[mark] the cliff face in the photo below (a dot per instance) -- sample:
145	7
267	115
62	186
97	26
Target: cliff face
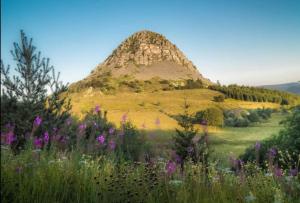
145	55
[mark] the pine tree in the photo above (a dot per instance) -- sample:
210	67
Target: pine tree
25	95
184	144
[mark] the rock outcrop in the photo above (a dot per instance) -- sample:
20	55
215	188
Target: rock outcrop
145	55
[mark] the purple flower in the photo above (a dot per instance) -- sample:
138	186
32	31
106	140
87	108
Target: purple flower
293	172
112	144
124	118
97	109
10	138
111	130
37	121
82	126
38	143
278	172
101	139
170	167
157	121
257	146
46	137
272	152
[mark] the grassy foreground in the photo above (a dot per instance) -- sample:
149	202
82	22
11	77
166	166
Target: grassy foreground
43	176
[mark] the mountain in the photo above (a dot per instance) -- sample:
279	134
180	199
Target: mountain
293	87
143	56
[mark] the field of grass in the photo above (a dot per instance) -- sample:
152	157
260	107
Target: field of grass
233	141
225	142
146	107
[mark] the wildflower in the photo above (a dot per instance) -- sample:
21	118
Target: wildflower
10	138
293	172
112	144
101	139
46	137
257	146
37	121
97	109
171	167
82	126
272	152
38	143
111	130
278	172
157	121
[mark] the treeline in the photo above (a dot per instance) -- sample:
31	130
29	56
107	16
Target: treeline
256	94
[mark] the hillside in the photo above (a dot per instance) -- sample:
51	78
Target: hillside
143	56
293	87
146	107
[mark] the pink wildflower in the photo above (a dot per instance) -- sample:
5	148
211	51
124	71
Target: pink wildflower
101	139
170	167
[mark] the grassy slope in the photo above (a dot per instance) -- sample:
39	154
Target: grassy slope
224	141
146	107
234	141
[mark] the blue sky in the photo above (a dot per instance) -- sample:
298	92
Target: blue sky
250	42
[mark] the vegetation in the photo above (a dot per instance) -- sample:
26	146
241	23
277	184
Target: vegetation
25	95
286	145
65	159
211	116
244	118
256	94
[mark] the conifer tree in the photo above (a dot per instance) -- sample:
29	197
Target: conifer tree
25	95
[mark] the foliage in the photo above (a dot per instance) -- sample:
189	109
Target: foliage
243	118
212	116
24	96
287	141
186	145
52	176
219	98
256	94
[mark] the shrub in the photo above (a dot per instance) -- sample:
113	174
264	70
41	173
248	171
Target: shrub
219	98
212	116
287	141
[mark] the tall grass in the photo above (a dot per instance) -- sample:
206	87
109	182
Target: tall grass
53	176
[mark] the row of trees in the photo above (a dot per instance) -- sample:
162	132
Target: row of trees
255	94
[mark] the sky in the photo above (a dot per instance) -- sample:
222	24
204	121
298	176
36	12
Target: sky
246	42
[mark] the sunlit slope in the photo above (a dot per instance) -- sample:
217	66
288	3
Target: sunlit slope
146	108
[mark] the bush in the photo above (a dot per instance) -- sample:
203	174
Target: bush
286	145
243	118
212	116
219	98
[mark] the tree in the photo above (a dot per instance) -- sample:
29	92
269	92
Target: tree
184	144
24	95
212	116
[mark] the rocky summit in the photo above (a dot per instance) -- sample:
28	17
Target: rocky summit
145	55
